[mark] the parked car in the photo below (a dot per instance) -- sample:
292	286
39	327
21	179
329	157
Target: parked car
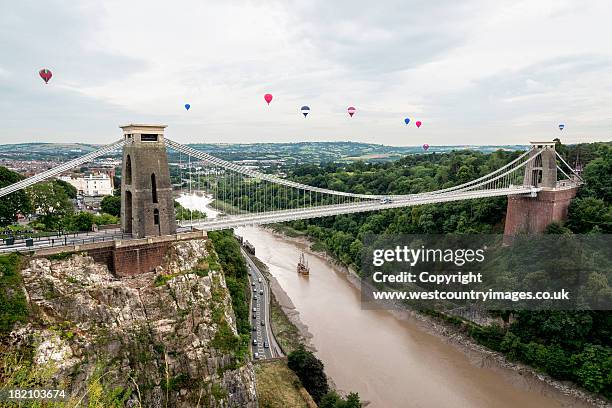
256	356
263	323
254	342
266	345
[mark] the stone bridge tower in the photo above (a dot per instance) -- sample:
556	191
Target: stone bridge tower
532	214
147	204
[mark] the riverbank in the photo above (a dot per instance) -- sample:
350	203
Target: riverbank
517	374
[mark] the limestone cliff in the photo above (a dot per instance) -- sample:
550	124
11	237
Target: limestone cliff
162	339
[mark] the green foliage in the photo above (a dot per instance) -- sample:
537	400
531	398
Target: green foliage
14	203
51	202
111	205
597	175
13	304
236	277
60	256
589	213
84	221
310	371
333	400
68	188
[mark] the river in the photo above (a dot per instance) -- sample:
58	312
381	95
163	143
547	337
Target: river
390	361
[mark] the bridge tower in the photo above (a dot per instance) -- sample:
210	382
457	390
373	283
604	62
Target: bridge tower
532	214
147	204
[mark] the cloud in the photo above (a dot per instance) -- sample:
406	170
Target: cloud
473	72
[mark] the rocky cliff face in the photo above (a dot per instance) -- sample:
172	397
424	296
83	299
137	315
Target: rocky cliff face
160	339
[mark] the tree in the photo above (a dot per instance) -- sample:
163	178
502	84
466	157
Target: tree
51	203
70	190
111	205
82	221
557	228
14	203
587	213
310	371
597	175
333	400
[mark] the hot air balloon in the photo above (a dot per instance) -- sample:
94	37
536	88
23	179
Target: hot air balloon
425	146
351	110
187	106
407	120
45	74
561	126
305	110
418	123
268	98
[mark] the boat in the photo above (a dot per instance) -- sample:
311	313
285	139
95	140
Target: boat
302	266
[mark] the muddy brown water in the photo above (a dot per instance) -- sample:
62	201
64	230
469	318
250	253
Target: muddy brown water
391	362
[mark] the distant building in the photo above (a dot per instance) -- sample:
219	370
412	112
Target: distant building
91	185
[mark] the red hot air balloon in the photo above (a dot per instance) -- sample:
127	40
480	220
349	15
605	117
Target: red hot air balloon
351	110
425	146
45	74
268	98
418	123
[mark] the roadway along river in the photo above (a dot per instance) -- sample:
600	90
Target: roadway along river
390	361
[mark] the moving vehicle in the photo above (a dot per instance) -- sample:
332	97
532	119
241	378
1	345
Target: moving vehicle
386	200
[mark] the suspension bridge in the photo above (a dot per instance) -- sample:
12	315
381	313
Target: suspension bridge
539	184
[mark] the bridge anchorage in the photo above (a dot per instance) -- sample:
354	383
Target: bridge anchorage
539	185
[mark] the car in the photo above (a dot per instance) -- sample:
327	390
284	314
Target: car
256	356
386	200
255	297
254	342
261	292
254	328
254	309
266	345
254	316
263	323
254	290
259	280
252	283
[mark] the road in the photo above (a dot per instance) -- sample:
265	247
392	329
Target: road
263	333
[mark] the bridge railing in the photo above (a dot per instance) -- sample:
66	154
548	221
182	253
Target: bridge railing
30	244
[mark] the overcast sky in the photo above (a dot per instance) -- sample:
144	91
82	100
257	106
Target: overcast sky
474	72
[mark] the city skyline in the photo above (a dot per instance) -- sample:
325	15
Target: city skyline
114	63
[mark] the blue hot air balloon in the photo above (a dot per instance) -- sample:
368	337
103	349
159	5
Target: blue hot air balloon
305	110
561	126
407	120
187	106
